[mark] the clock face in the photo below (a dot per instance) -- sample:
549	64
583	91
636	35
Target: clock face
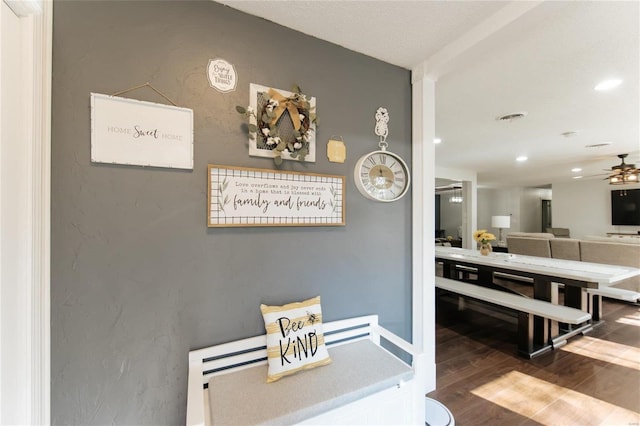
382	176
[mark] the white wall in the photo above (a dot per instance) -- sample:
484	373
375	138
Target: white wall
531	208
582	206
130	295
524	205
585	208
499	202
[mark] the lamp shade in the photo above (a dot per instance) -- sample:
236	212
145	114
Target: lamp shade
500	221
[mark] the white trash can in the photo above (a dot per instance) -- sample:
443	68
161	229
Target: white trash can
437	414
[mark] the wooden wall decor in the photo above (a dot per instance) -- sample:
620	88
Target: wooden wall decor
241	196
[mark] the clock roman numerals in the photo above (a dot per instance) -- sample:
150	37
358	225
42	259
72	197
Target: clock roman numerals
381	176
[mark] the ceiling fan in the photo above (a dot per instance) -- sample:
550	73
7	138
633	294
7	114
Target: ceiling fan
447	188
623	172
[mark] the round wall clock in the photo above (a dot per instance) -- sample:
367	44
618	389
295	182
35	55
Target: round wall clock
382	175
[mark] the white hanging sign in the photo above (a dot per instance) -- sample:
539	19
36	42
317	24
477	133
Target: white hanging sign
222	75
128	131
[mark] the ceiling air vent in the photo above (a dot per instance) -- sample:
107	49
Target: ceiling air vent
512	116
598	145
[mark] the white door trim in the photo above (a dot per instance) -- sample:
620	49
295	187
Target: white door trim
423	214
33	398
41	160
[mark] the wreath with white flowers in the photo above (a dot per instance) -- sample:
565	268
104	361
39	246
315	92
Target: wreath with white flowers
268	115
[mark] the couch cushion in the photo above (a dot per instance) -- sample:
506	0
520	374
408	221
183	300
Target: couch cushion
531	234
561	232
565	248
529	246
613	254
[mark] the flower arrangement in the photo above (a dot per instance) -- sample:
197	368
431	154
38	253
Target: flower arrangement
303	119
483	237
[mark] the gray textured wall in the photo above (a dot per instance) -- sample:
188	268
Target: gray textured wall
137	277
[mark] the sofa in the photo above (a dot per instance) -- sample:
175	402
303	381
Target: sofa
559	232
622	251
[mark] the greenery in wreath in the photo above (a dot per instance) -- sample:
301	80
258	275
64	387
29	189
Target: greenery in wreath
268	115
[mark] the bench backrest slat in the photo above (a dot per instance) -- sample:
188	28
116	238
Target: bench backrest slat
240	354
352	335
224	363
224	349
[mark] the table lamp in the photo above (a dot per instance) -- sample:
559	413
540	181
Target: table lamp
501	222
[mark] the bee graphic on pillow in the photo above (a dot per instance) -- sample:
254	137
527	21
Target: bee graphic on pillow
312	318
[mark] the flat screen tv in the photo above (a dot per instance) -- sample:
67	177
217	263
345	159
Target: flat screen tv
625	207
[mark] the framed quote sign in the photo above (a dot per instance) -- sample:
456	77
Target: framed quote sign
128	131
241	196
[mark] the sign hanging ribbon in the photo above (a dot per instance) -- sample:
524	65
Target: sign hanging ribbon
285	104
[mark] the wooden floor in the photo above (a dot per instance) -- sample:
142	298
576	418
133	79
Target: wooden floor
593	380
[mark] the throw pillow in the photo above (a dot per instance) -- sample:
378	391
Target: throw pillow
295	339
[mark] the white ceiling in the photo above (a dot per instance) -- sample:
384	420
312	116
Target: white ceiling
492	58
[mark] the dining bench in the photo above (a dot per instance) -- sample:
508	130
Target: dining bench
595	295
526	309
374	377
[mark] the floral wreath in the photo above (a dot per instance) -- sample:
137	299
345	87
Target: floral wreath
302	117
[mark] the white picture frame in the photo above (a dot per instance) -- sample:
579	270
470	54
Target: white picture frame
257	146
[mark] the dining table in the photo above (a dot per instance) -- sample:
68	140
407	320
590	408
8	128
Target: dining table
545	273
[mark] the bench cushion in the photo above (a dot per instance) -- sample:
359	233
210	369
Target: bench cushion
295	338
358	370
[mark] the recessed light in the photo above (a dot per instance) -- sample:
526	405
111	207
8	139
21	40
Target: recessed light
576	169
437	140
577	177
522	158
608	84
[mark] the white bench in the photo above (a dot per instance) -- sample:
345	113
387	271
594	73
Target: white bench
594	306
364	384
527	308
616	293
463	272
